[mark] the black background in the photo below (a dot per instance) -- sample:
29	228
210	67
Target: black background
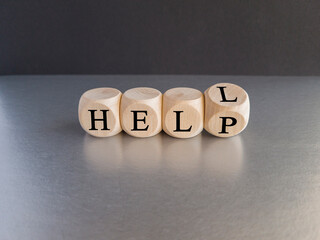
276	37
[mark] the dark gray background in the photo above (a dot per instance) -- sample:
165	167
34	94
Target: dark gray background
160	37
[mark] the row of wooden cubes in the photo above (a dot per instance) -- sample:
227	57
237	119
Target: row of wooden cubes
223	110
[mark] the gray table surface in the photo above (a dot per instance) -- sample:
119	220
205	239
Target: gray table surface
59	183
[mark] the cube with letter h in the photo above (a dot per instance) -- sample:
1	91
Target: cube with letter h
99	112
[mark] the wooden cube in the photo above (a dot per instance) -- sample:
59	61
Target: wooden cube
227	109
99	112
183	112
141	112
